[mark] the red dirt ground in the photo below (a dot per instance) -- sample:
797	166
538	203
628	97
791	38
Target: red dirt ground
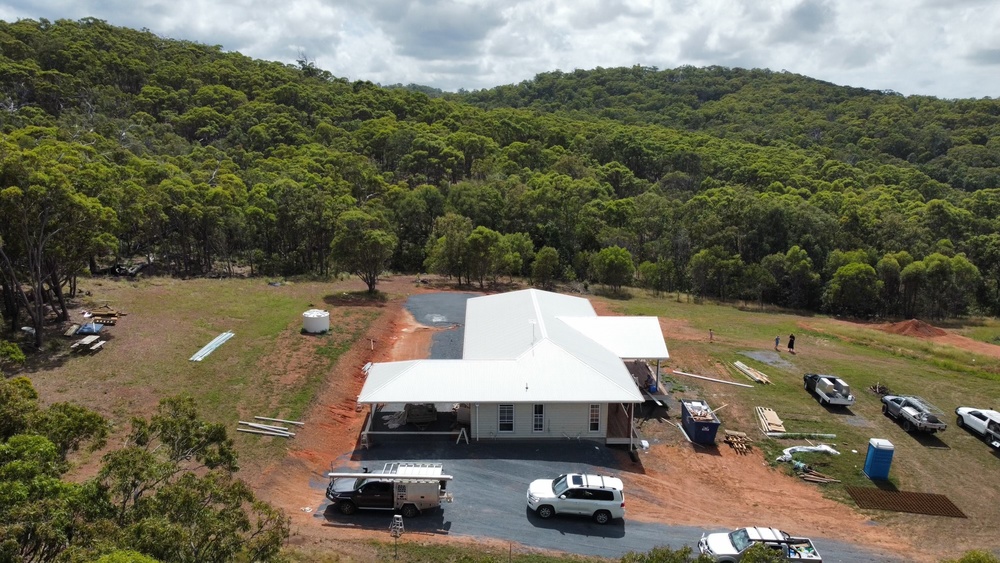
678	483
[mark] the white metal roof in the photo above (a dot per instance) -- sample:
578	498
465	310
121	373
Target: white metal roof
627	337
526	346
545	374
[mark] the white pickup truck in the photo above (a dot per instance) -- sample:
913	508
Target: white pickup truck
730	547
984	422
914	413
829	389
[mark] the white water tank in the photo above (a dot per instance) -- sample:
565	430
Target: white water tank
315	321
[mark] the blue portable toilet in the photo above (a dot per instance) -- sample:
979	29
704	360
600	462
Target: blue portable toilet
879	459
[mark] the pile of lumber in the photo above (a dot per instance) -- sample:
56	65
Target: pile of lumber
105	315
739	441
753	374
808	474
769	421
269	429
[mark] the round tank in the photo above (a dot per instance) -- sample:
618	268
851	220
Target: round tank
315	321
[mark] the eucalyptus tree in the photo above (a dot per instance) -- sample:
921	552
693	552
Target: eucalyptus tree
364	244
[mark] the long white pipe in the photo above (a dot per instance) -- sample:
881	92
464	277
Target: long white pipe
279	420
714	380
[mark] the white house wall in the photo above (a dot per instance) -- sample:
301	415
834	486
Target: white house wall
561	420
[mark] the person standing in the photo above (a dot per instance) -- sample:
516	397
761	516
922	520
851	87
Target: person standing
791	343
777	342
711	335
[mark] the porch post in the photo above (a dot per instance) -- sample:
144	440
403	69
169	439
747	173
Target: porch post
631	428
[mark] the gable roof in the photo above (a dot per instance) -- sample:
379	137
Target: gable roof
527	346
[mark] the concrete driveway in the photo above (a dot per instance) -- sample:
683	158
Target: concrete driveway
491	479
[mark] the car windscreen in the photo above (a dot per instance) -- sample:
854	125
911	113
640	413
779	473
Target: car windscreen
559	485
740	539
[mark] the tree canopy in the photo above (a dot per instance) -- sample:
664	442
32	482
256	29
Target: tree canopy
122	147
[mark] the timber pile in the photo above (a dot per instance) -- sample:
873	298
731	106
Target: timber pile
105	315
816	477
739	441
753	374
769	421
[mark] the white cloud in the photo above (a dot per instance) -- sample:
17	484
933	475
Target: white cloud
945	48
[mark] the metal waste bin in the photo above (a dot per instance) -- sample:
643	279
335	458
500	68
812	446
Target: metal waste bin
879	459
699	422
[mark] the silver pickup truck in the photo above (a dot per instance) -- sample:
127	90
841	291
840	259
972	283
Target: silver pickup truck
914	413
730	547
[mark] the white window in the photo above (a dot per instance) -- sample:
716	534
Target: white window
505	418
595	418
538	420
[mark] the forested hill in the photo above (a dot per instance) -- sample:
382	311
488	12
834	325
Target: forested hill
949	140
121	146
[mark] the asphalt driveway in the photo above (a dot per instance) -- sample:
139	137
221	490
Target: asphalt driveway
491	479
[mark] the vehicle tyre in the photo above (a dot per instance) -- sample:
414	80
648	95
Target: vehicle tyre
907	427
409	511
602	517
823	402
545	511
805	385
885	409
347	507
960	421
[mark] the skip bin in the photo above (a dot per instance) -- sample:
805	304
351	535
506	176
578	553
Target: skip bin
699	422
879	459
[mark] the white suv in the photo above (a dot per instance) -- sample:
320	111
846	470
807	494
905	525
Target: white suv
597	496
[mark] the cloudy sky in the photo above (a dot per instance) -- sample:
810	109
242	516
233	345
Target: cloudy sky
944	48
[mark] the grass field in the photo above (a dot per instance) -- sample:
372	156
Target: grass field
954	463
267	369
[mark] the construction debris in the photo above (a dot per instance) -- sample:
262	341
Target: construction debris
739	441
753	374
801	435
786	454
280	420
269	429
769	421
211	346
880	389
807	473
678	372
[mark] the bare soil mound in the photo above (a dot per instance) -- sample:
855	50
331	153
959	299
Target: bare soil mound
914	327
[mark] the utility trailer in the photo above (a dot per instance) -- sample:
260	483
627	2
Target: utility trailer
404	487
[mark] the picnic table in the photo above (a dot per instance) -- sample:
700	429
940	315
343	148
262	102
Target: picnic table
85	341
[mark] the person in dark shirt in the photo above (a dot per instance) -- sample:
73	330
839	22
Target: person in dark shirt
791	343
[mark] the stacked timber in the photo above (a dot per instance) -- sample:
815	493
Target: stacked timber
753	374
739	441
769	421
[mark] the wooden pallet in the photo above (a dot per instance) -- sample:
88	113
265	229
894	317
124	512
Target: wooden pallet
769	421
739	441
